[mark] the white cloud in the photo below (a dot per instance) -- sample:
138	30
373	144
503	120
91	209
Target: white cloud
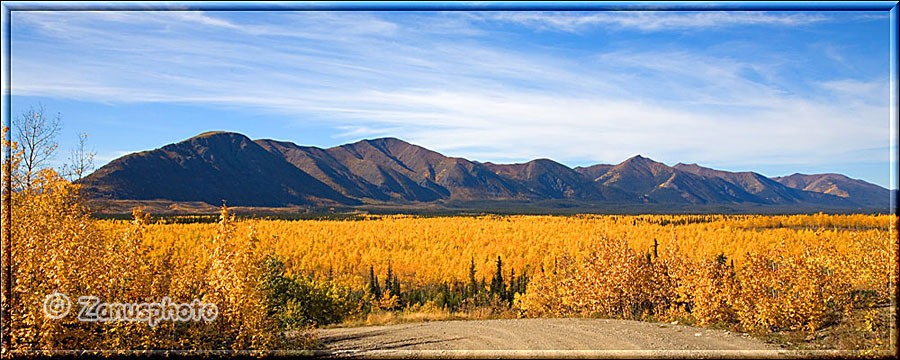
875	91
367	77
201	18
652	20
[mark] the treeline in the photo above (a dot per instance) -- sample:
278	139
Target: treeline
213	218
499	291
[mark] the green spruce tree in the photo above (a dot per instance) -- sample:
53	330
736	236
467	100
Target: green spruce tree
473	285
497	285
374	289
395	287
388	286
511	290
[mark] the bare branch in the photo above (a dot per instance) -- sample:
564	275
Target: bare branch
81	160
36	134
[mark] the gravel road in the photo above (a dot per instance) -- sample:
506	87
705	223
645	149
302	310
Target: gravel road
541	338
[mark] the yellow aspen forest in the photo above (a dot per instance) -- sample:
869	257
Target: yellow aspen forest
275	281
425	250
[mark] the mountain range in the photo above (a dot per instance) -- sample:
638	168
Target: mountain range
216	166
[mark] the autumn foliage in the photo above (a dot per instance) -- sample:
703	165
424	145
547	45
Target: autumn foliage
274	280
798	283
56	247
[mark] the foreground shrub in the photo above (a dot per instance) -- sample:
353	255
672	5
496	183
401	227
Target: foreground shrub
773	291
298	301
56	248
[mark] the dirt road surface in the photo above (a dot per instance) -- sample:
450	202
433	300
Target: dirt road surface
542	338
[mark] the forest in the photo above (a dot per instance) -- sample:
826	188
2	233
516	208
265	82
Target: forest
275	282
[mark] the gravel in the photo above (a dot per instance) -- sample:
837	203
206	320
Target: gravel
541	338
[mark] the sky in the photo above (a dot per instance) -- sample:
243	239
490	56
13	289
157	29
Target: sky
771	92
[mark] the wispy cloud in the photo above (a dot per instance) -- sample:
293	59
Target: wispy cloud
873	92
653	20
446	82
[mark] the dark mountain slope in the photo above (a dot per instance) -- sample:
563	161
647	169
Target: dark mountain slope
768	191
387	171
765	189
594	171
210	167
320	164
656	182
544	178
857	191
391	169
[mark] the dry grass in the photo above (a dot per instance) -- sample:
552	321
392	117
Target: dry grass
399	317
424	313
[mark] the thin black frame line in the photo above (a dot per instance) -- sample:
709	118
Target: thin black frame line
469	6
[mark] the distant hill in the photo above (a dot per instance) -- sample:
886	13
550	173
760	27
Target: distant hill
389	169
210	167
855	190
217	166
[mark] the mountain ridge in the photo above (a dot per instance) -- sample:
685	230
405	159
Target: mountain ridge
215	166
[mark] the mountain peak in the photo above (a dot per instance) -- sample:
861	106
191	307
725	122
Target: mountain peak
217	134
386	140
210	138
382	143
208	133
545	161
217	165
838	185
641	161
211	167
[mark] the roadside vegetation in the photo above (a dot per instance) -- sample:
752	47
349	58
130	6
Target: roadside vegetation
814	281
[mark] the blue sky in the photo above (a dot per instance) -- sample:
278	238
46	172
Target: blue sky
772	92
